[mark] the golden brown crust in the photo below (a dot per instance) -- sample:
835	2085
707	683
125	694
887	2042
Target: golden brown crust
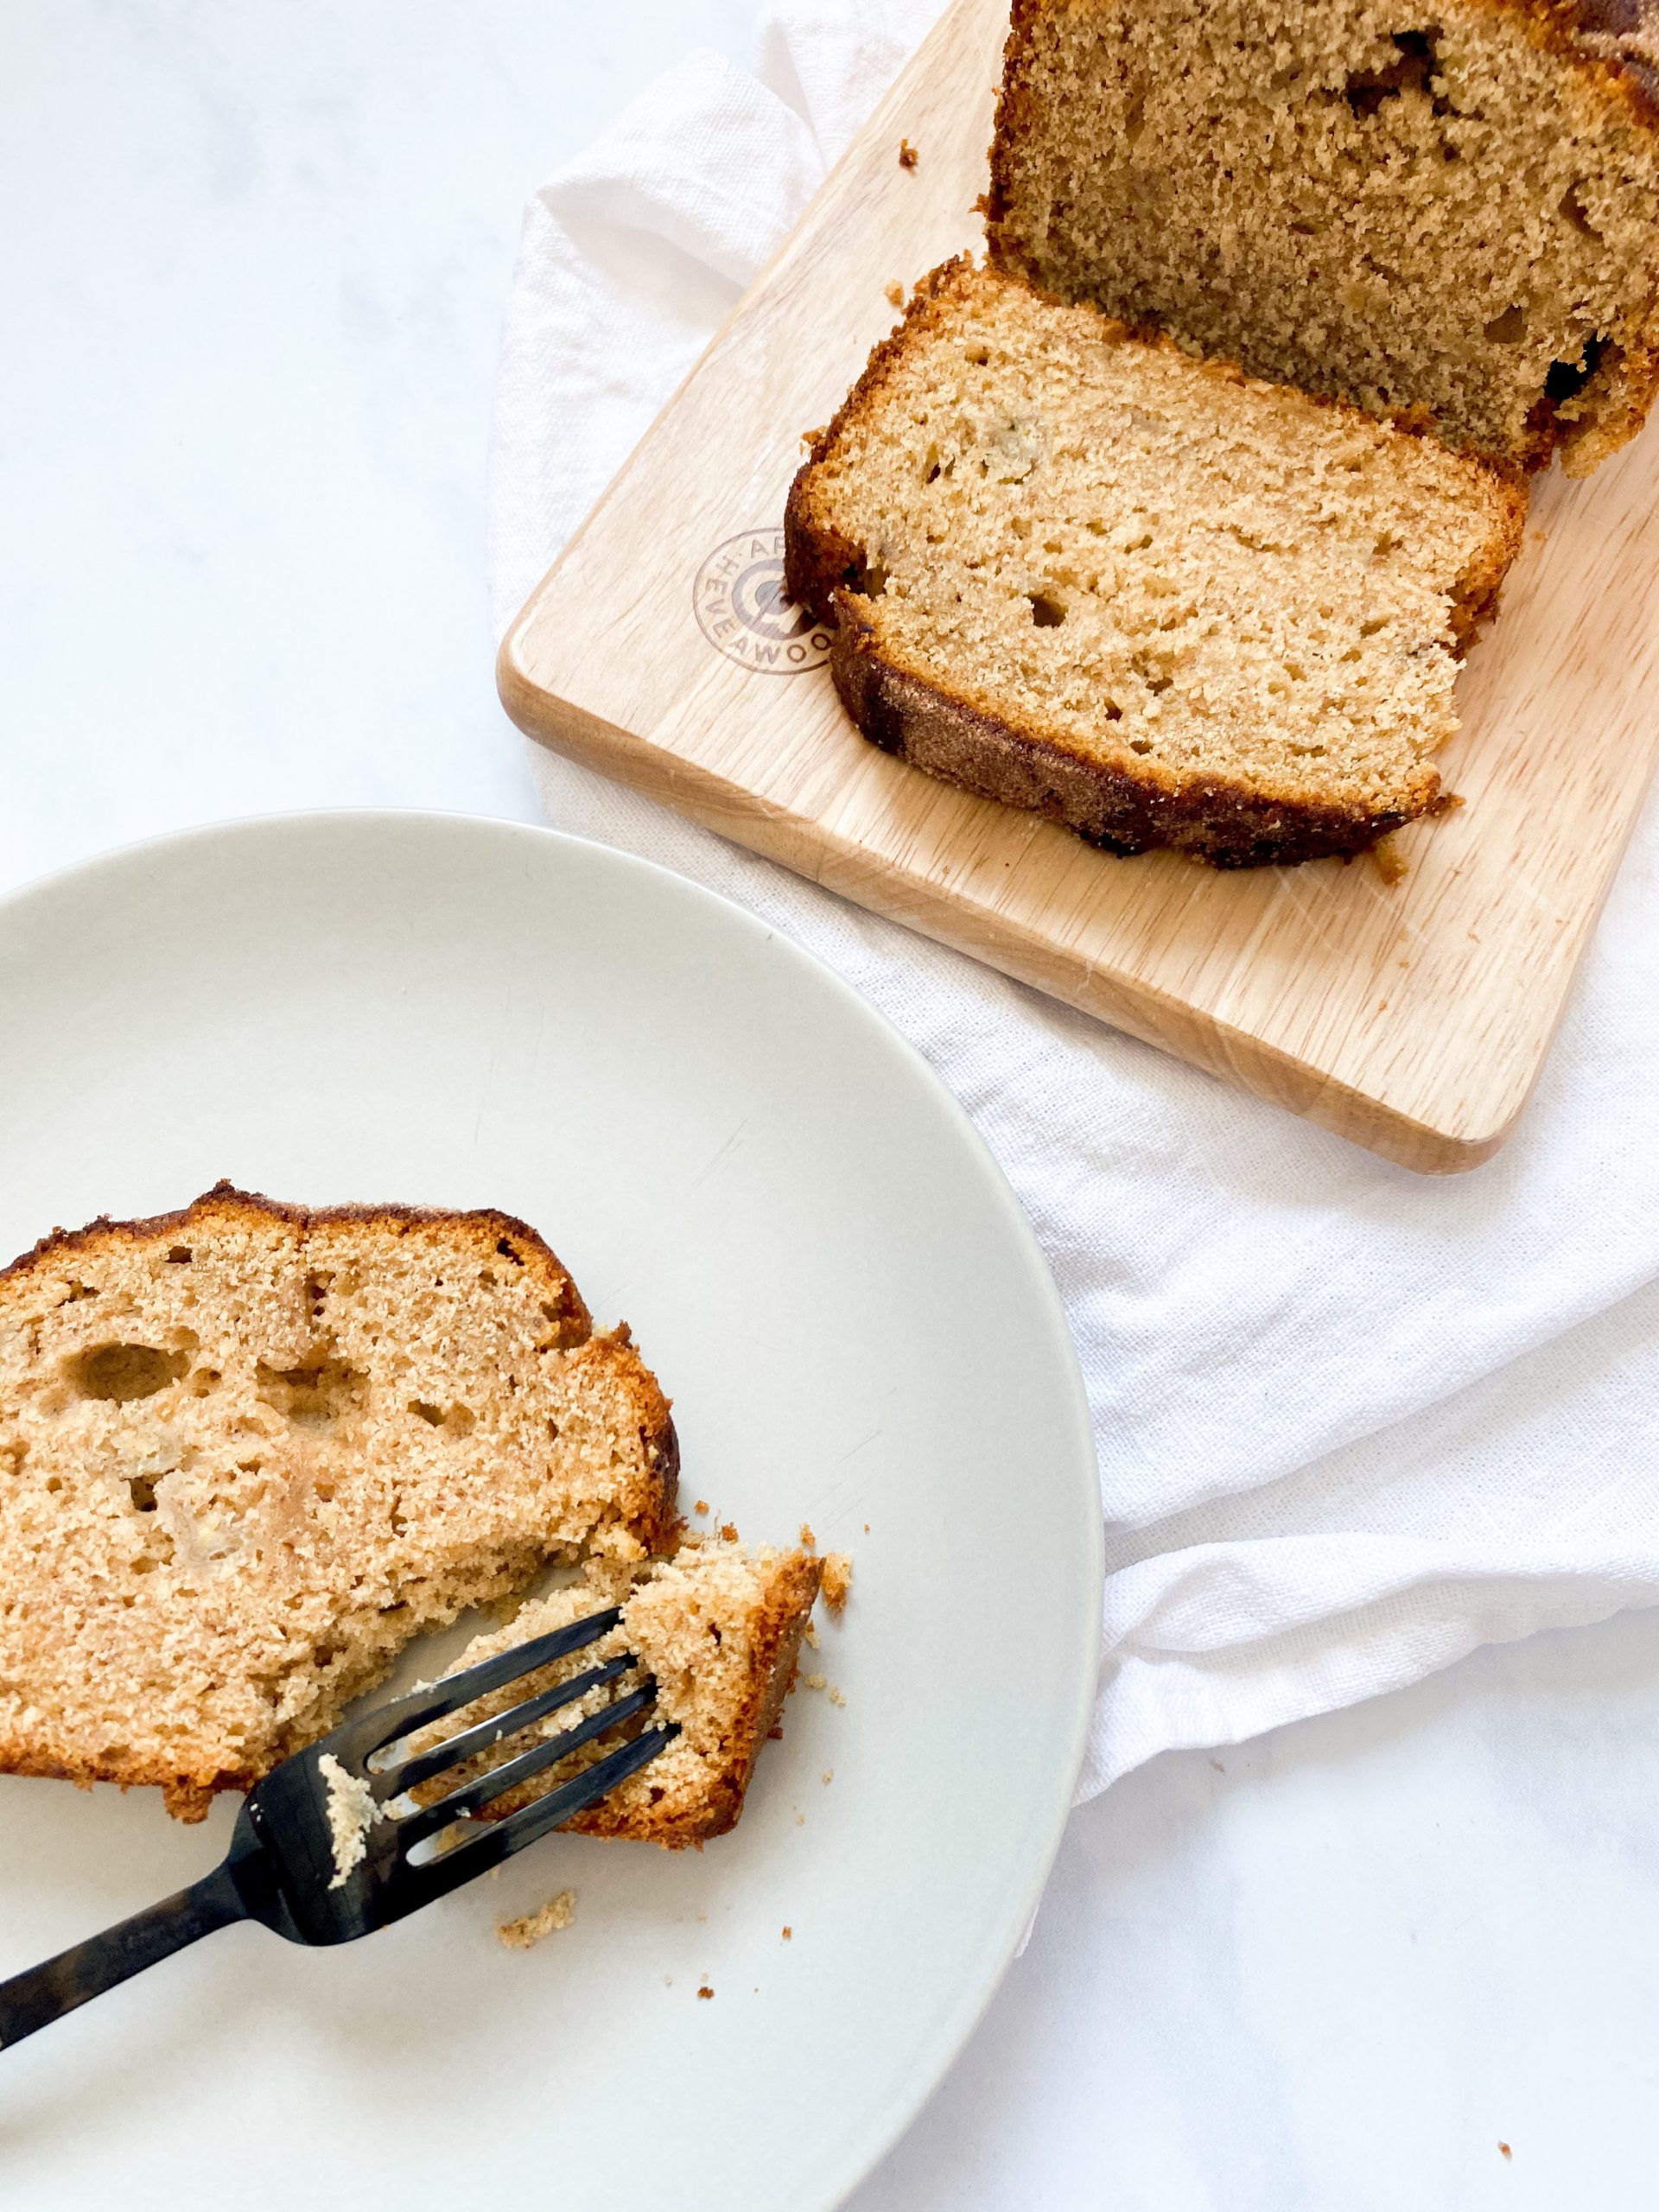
189	1792
652	1517
958	742
1613	44
1595	35
776	1641
226	1199
1122	811
188	1796
1481	584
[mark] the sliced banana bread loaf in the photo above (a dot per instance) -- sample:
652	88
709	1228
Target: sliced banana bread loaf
1077	571
246	1453
1451	208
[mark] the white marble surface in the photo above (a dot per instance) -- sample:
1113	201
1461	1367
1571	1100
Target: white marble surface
252	263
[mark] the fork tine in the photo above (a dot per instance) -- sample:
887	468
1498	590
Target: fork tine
421	1707
508	1775
455	1750
424	1885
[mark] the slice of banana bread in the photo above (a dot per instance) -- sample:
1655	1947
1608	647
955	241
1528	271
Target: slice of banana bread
1077	571
718	1627
247	1451
1451	208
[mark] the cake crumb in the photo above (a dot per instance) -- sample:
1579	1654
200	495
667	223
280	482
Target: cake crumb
523	1935
836	1697
1389	861
702	1505
815	1682
829	1774
705	1991
908	156
866	1528
351	1813
728	1533
808	1538
800	1819
812	1635
837	1580
789	1933
668	1982
1504	2151
895	295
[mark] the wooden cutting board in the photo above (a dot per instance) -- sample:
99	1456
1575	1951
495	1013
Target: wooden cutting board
1412	1018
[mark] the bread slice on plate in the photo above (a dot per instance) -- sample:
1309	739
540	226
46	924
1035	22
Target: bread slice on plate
1076	571
247	1451
718	1627
1451	208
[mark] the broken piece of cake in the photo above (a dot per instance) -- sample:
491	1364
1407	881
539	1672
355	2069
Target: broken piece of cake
717	1627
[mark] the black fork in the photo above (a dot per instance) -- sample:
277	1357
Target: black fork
281	1866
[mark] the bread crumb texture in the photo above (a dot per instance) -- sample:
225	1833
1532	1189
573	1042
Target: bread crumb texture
524	1934
717	1629
351	1811
1452	210
837	1580
247	1451
1078	571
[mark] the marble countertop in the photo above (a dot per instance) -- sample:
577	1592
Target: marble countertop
254	265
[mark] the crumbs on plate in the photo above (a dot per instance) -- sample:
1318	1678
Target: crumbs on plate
523	1935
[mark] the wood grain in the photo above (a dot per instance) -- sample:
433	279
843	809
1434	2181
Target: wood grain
1412	1018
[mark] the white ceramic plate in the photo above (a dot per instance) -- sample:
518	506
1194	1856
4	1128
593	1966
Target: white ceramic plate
730	1150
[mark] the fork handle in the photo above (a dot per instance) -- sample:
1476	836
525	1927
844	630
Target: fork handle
44	1994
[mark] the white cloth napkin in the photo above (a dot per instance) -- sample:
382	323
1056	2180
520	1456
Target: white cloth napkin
1351	1423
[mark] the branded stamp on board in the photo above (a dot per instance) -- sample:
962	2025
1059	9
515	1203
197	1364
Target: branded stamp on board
742	610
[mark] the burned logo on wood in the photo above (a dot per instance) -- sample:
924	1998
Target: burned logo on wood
742	612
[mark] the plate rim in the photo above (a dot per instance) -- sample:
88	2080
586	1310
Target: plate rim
889	2123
